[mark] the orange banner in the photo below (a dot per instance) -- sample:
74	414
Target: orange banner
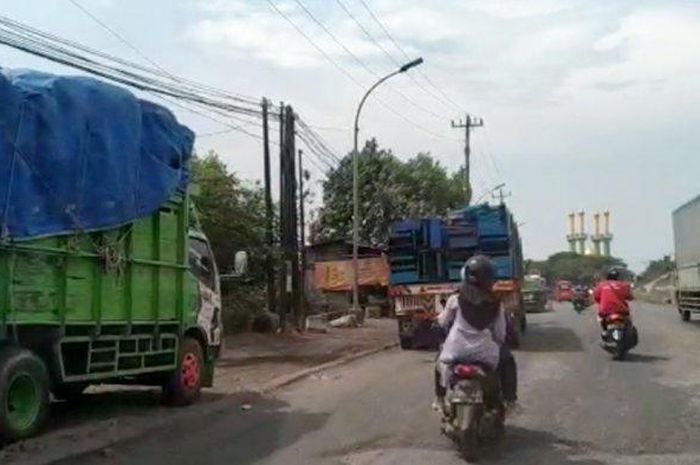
337	275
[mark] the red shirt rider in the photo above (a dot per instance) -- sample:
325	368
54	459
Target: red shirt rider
612	295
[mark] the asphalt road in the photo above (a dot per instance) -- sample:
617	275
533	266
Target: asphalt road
578	407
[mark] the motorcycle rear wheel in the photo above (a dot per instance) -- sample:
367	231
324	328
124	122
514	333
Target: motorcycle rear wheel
467	433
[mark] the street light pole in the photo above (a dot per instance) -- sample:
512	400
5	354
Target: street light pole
356	184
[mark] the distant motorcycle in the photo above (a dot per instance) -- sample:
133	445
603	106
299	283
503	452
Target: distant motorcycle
620	336
467	419
580	304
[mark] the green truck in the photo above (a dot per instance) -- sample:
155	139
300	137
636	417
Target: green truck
137	302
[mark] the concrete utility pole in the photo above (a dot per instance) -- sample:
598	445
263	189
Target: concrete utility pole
290	293
468	125
269	238
302	244
501	196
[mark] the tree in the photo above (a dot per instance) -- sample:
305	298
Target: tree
657	268
389	190
231	212
584	269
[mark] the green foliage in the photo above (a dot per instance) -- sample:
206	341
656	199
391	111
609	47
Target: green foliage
656	269
584	269
232	213
389	190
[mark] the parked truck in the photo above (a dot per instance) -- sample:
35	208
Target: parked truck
426	258
105	276
686	225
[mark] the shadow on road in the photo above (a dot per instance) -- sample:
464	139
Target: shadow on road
550	338
645	358
229	435
112	404
531	447
108	406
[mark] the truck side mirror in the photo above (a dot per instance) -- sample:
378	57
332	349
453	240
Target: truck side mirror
240	263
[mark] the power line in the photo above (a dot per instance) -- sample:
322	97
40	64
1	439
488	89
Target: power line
139	52
33	40
345	72
391	58
403	52
60	51
361	63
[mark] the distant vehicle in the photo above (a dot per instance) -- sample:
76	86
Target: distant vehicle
563	291
426	258
534	293
582	298
686	224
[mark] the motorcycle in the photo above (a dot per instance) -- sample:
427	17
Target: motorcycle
581	300
620	336
580	304
473	410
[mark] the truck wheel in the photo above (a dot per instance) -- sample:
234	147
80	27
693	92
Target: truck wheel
406	342
24	393
685	315
184	385
70	392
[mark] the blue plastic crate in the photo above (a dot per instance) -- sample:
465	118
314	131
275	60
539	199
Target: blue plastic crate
405	226
436	234
504	267
404	277
495	245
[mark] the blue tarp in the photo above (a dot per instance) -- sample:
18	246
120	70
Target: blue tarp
77	154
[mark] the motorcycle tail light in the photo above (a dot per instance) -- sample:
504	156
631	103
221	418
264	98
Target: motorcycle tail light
467	371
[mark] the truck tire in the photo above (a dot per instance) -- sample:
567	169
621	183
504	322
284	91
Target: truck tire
406	342
685	315
184	385
24	393
70	392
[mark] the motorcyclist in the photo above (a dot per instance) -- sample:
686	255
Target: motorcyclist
612	296
477	331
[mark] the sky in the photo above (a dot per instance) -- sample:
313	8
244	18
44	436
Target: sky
586	104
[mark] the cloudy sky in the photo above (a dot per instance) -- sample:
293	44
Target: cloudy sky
587	104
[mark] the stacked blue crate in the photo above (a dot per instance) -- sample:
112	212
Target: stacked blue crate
403	241
462	240
415	251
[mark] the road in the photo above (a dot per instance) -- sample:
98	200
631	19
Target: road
578	407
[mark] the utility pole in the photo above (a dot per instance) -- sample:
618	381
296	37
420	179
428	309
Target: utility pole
285	273
269	237
468	125
288	214
293	223
501	196
302	242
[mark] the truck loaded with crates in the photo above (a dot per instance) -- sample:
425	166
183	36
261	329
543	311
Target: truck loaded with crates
426	259
686	224
105	276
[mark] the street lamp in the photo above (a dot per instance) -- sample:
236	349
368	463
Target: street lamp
356	184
